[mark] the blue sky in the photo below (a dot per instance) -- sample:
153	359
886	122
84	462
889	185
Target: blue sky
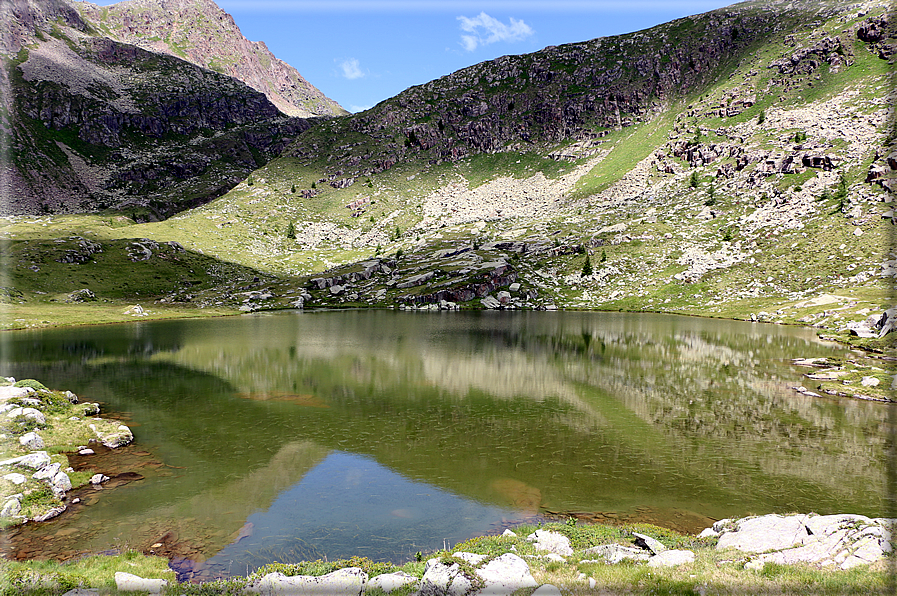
360	52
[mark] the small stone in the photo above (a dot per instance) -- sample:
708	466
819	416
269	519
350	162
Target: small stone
86	451
15	478
98	479
508	532
547	590
870	382
755	565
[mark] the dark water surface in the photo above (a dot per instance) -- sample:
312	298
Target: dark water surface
295	436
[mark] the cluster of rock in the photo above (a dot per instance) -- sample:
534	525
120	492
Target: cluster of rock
875	325
24	405
843	541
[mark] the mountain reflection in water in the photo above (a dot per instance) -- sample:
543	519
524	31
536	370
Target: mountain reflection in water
257	420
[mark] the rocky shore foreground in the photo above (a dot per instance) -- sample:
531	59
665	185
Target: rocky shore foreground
38	426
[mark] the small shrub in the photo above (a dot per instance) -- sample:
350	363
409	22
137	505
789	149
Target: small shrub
603	256
761	118
693	180
293	189
291	231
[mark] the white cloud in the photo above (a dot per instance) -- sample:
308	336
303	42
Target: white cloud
351	68
482	30
355	109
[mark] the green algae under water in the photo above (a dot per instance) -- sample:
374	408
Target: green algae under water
290	436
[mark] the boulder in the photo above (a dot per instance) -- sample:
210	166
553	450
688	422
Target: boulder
671	558
491	302
119	437
8	392
504	297
547	590
31	441
505	575
35	461
127	582
11	508
15	478
61	484
47	472
389	582
441	579
350	581
82	295
28	414
651	544
553	542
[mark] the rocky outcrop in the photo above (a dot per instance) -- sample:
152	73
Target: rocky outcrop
843	541
98	123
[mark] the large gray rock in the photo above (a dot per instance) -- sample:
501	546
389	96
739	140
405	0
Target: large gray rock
553	542
441	579
35	461
844	540
61	484
128	582
8	392
28	414
11	508
31	441
491	302
547	590
389	582
350	581
671	558
505	575
47	472
764	533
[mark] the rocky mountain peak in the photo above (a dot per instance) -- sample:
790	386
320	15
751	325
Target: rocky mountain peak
200	32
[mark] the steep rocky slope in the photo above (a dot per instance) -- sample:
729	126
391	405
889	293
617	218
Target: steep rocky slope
200	32
96	123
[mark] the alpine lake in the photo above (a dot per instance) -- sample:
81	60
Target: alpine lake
294	436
